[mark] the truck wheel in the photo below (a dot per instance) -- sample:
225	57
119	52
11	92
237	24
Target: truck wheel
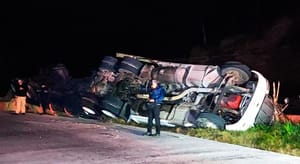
108	62
111	106
265	115
210	120
241	72
130	65
90	107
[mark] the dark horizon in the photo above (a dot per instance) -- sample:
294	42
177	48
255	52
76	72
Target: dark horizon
78	35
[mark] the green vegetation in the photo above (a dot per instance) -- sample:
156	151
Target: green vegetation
279	137
282	138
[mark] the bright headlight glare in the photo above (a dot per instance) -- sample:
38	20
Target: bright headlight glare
88	110
109	114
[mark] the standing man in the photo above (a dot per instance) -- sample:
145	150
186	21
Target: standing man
43	92
20	94
156	96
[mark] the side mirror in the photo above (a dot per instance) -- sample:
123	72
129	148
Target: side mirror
286	100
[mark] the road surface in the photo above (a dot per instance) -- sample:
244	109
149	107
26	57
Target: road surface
45	139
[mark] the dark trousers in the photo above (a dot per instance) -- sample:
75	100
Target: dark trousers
44	100
153	113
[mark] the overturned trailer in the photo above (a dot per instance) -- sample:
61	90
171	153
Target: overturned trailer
230	96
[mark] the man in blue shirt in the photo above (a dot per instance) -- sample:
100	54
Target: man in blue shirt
156	96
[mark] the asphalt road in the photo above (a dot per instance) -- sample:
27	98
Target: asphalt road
45	139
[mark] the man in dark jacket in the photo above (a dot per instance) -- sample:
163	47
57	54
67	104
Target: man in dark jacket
156	96
20	95
43	92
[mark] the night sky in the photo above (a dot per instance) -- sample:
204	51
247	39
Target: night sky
79	34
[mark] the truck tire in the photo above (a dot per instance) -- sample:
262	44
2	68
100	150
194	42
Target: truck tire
108	63
111	105
210	120
241	72
90	107
130	65
265	115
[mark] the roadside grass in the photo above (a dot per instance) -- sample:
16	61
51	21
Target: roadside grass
282	138
279	137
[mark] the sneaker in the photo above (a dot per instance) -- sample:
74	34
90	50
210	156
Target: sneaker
156	134
147	134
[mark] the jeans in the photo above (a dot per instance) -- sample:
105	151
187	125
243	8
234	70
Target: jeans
153	113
